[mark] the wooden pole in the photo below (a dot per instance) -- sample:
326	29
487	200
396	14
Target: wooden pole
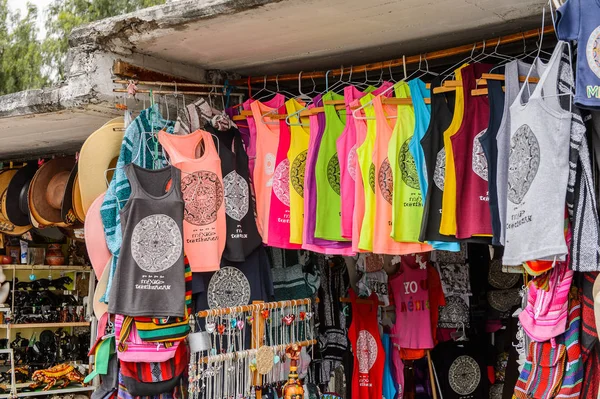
467	48
431	376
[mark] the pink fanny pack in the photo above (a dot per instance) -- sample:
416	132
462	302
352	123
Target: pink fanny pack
134	349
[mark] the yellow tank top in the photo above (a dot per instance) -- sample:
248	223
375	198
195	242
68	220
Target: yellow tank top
364	154
448	222
297	158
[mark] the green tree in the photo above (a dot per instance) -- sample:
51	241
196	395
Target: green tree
21	57
64	15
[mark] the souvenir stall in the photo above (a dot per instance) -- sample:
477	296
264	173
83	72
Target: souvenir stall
421	227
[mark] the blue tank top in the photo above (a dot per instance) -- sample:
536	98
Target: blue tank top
389	387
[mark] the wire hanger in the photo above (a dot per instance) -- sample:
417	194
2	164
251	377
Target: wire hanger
268	91
302	96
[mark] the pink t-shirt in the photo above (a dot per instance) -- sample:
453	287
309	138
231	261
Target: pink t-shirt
410	290
204	224
276	102
279	215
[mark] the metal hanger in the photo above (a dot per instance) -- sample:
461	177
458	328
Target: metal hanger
450	71
302	96
268	91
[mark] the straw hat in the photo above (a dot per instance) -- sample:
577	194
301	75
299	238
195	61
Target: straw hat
68	204
77	204
95	240
47	191
17	206
6	226
100	307
99	153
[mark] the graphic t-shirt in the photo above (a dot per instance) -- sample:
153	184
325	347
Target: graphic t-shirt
470	165
327	173
300	136
461	370
369	356
267	143
204	223
580	20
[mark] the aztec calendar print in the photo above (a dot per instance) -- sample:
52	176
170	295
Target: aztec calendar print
156	243
352	162
523	163
281	182
333	173
372	176
479	161
407	166
386	180
297	173
464	375
228	287
592	51
439	173
203	196
366	351
236	196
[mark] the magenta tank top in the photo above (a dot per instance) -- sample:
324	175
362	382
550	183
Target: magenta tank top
309	242
279	213
277	101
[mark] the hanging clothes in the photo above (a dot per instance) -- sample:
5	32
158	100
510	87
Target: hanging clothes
274	103
389	386
385	148
242	234
448	222
490	148
300	137
149	280
204	223
538	171
367	377
267	143
442	108
279	210
346	149
327	173
512	71
470	165
360	190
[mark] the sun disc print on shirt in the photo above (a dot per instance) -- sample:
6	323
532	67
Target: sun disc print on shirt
236	196
439	173
203	196
407	166
228	287
352	162
333	173
156	243
464	375
592	51
386	181
281	182
297	172
523	163
479	161
366	351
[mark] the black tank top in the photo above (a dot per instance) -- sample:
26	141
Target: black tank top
490	148
242	234
442	106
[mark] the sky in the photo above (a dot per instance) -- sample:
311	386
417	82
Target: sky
41	5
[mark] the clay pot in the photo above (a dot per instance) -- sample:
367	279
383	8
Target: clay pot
6	259
54	255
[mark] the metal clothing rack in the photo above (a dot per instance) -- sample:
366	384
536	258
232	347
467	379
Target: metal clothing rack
257	329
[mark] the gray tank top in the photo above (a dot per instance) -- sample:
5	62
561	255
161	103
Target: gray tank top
512	86
149	280
538	171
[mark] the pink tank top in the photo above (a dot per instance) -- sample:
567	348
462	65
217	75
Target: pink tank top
276	102
267	142
383	243
204	224
279	216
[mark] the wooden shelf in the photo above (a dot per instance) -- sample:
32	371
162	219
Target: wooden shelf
48	267
70	389
46	325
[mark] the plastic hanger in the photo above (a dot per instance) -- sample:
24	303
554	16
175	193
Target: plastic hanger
459	335
268	91
304	97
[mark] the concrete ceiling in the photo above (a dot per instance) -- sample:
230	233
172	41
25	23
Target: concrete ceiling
255	37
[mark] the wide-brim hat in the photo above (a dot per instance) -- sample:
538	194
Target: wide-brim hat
17	205
77	204
47	191
68	204
6	226
95	240
99	152
100	307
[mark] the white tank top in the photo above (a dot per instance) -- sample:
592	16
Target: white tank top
538	171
